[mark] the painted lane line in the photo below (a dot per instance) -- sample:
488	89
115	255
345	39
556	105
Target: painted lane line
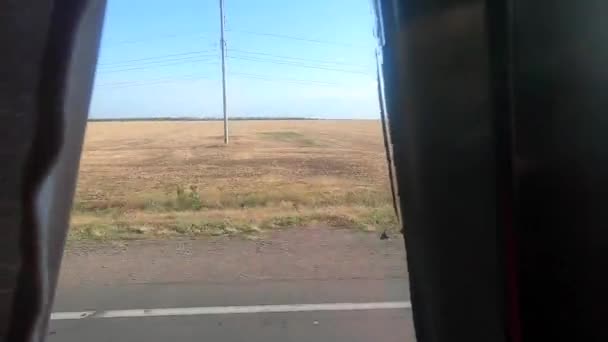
226	310
71	315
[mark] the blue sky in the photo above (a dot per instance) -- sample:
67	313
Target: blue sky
312	58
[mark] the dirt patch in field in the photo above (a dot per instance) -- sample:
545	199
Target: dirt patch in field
319	166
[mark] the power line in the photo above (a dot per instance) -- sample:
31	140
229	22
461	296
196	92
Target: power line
297	58
254	59
257	33
285	82
159	82
162	65
250	32
202	53
155	63
161	62
120	85
155	57
155	38
304	39
124	84
147	80
265	77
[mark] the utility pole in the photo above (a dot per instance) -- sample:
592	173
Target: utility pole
223	48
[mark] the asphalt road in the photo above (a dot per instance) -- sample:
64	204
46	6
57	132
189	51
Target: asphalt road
109	295
335	325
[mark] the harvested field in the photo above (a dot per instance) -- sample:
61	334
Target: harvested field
175	179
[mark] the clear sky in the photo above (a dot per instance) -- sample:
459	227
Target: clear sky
305	58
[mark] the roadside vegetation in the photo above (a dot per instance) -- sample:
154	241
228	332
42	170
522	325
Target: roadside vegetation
159	180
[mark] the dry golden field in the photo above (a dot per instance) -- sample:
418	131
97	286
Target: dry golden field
161	179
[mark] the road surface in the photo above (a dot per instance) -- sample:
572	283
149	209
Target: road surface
313	285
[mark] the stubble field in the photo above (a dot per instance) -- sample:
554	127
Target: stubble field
161	179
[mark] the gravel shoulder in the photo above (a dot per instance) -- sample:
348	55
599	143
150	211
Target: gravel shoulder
306	253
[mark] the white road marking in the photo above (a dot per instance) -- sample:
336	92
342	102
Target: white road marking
71	315
226	310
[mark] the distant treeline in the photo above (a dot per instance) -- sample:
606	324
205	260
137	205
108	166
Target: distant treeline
241	118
